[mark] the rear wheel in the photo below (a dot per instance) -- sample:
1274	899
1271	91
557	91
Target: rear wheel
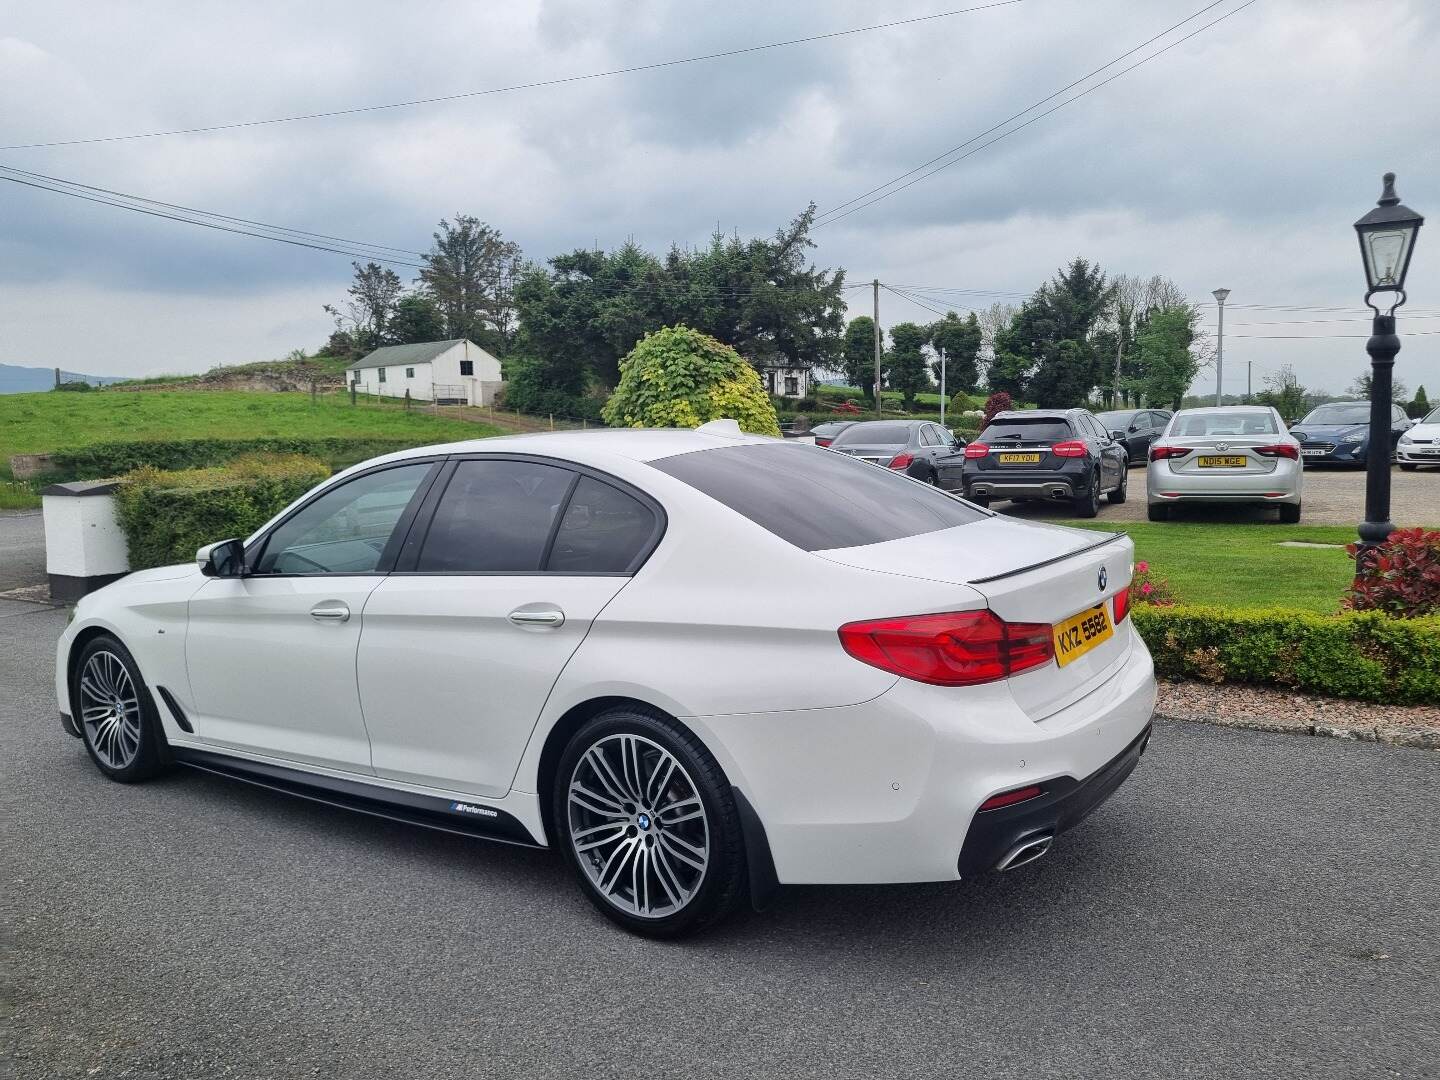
1088	505
1119	495
1157	512
649	824
116	713
1290	514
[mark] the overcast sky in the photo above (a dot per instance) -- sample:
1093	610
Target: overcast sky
1239	158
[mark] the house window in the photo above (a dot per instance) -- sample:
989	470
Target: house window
409	372
792	386
382	374
467	367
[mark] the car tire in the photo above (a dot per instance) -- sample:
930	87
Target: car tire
1408	468
1290	513
1119	495
1088	505
116	714
1157	512
608	810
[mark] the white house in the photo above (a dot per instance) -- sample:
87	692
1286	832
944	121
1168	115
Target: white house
785	381
456	372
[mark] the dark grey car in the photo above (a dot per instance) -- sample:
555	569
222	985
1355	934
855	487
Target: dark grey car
1136	428
915	447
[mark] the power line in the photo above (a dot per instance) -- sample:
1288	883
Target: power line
917	303
210	128
831	216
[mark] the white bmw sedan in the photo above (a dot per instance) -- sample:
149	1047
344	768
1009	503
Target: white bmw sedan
1230	454
699	663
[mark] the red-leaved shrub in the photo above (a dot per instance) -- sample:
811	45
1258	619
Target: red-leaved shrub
1401	579
993	404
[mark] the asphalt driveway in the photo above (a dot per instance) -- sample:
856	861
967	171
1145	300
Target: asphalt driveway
1248	905
22	548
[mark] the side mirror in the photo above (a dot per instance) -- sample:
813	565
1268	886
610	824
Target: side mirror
1119	436
223	559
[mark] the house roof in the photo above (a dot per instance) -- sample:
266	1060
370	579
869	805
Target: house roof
398	355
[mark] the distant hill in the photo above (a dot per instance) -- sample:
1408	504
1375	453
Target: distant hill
28	380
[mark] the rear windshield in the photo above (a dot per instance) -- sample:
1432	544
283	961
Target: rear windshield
815	498
1340	414
874	433
1029	429
1202	422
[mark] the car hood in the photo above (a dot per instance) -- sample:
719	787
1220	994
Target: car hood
1326	431
1424	431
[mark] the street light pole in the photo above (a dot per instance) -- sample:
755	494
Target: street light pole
1220	295
1387	240
879	410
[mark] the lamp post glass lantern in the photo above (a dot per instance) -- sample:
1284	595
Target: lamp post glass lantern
1387	241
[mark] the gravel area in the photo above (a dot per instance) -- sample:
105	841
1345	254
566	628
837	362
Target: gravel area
1333	496
1265	709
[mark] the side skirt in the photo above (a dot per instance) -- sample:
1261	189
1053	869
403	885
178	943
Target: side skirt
446	815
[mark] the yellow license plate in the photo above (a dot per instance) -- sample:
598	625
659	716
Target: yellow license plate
1229	461
1080	633
1019	459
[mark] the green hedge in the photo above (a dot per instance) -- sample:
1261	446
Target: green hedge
167	515
106	459
1358	654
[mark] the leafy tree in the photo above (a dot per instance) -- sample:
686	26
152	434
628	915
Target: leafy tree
679	377
906	369
1360	388
371	302
340	343
1419	407
470	272
858	355
958	341
415	319
1163	363
1284	393
1053	328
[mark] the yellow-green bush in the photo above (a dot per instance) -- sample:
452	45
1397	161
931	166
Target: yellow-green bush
167	515
678	377
1358	654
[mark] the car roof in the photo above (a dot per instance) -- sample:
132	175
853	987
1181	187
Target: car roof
1009	414
635	444
1227	408
897	420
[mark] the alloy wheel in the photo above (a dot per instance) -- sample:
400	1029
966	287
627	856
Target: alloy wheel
110	709
638	826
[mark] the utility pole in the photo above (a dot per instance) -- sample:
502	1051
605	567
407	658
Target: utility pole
1248	365
1220	295
878	411
942	389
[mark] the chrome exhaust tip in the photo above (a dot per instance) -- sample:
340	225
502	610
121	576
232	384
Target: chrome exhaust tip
1025	852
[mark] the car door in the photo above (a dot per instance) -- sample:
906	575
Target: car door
1110	452
271	654
1399	424
512	561
1142	432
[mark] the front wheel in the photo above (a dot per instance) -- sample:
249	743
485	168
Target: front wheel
116	714
649	824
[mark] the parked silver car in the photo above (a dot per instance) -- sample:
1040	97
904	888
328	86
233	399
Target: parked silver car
1235	454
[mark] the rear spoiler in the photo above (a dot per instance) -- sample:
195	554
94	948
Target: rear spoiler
1109	539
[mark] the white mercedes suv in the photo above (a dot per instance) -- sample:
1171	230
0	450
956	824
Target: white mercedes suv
699	663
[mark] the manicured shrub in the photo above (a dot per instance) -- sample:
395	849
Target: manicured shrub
995	403
1403	578
167	515
105	459
679	377
1359	654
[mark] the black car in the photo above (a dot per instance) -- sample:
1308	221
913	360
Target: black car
915	447
1136	428
1339	433
1059	455
825	433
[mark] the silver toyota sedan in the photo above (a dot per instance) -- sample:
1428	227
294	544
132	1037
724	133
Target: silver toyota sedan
1233	454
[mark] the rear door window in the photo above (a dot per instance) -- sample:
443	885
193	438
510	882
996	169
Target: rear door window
1027	429
816	499
495	517
604	531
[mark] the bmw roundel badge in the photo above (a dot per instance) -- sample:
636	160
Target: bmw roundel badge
1102	579
643	821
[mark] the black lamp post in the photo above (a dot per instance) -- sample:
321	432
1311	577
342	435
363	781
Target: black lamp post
1387	240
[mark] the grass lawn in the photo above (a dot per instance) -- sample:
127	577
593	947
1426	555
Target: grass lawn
1243	565
38	423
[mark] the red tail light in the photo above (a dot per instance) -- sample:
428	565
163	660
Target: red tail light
1010	798
1122	605
958	648
823	442
901	461
976	450
1279	450
1069	448
1160	453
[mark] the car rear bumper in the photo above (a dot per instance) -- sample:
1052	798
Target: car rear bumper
1002	483
1283	485
888	790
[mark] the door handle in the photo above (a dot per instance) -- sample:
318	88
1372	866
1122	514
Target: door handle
537	617
335	612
